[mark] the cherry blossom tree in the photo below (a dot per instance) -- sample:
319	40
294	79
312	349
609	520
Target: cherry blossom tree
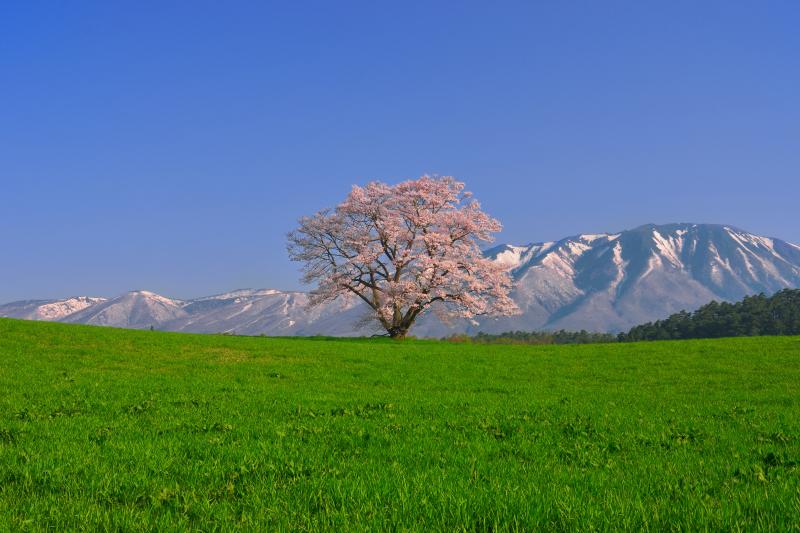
403	250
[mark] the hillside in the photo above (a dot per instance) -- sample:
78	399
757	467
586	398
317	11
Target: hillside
778	314
109	429
606	282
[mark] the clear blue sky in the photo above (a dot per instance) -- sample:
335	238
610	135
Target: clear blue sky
171	145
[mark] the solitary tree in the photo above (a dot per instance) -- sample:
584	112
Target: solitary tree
403	250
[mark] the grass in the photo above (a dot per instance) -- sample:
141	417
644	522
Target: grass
104	429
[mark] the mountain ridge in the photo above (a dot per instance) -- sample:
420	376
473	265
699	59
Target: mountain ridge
592	281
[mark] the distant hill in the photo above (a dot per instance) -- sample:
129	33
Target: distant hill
755	315
607	282
51	310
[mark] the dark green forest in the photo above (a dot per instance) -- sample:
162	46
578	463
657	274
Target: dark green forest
755	315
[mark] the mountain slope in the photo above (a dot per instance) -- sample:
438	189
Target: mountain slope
610	282
48	309
136	309
268	312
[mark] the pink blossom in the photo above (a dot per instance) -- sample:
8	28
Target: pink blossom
403	250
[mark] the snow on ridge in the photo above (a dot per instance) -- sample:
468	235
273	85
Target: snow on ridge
747	242
511	257
62	308
542	248
238	293
560	264
669	247
153	297
577	248
759	242
562	258
591	237
740	239
749	238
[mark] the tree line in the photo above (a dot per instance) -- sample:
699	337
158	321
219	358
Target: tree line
778	314
536	337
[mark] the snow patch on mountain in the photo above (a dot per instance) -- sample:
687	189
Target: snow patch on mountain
670	247
50	310
511	256
621	264
239	293
60	309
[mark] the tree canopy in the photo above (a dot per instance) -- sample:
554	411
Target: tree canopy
403	250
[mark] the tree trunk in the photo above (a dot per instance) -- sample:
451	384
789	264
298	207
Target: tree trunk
398	332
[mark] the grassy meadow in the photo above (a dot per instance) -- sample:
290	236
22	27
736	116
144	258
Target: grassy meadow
107	429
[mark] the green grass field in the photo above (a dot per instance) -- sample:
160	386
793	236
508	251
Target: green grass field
130	430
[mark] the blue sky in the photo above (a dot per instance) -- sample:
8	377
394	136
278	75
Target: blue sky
170	146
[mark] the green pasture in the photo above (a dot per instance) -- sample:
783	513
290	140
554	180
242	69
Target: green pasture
108	429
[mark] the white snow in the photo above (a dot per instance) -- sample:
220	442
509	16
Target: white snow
621	264
515	256
62	308
511	257
747	264
556	261
653	262
716	275
770	267
156	298
239	293
562	259
618	255
718	263
591	237
577	248
748	238
669	247
539	249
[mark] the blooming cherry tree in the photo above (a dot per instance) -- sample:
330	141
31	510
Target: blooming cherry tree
403	250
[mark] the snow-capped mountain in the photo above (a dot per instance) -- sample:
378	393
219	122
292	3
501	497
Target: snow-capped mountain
610	282
48	309
266	311
136	309
597	282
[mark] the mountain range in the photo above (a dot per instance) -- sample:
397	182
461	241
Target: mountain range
598	282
